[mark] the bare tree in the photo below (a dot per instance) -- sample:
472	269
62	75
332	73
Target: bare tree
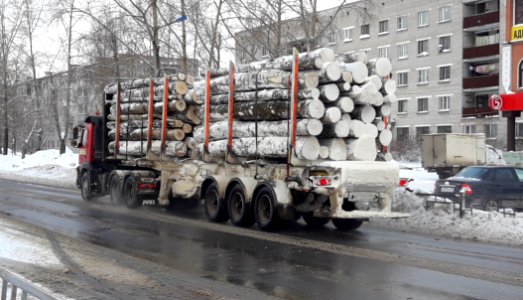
10	21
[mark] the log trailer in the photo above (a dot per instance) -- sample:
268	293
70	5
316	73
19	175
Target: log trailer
246	191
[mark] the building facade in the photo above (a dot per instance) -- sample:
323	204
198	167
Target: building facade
445	56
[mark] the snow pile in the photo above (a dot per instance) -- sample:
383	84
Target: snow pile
47	167
440	220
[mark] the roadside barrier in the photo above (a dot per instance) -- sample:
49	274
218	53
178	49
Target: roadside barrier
20	288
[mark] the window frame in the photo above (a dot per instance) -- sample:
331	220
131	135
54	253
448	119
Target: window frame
419	42
386	31
446	99
406	19
405	46
387	50
420	77
404	104
441	69
443	20
488	133
418	99
399	74
348	30
442	49
364	35
420	18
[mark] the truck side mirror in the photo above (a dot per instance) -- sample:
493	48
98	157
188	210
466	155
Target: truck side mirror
76	139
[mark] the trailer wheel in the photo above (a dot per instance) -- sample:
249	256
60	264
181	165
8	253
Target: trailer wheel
86	188
347	224
239	210
265	210
314	222
130	193
215	207
115	190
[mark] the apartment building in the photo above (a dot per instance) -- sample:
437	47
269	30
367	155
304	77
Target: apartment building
445	56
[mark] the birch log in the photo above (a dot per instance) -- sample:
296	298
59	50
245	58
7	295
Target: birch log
219	130
329	92
358	70
385	137
268	111
139	148
340	129
324	152
265	95
330	72
332	115
337	148
362	149
307	148
365	113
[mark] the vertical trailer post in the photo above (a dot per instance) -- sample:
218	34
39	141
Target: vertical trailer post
207	121
150	116
231	110
118	117
294	107
164	116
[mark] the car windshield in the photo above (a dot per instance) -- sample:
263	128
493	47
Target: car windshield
472	173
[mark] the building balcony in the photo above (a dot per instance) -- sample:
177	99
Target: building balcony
479	82
481	20
478	112
481	51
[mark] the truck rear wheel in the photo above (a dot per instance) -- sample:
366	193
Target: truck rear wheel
265	210
347	224
314	222
215	206
115	190
86	188
238	208
130	193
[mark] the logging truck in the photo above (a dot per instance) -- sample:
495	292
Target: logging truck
250	160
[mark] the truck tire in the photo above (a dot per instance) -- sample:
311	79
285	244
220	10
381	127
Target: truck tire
347	224
115	189
86	188
130	193
314	222
215	207
265	210
238	208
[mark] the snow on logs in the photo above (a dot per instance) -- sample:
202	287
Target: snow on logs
341	103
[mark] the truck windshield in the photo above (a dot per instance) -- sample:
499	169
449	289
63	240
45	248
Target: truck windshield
472	173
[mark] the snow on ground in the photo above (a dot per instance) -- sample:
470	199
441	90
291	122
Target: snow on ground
48	167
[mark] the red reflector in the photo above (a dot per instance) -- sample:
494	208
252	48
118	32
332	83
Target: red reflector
147	186
403	182
323	181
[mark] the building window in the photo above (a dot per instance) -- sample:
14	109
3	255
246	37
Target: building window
423	76
402	106
383	51
403	78
402	23
264	51
519	130
518	12
420	131
364	31
423	105
444	14
423	47
444	44
444	129
491	130
331	36
402	134
444	73
384	27
520	74
423	18
444	103
347	34
469	128
403	51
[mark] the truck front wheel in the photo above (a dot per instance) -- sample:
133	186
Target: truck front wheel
130	193
215	207
238	208
85	187
265	210
347	224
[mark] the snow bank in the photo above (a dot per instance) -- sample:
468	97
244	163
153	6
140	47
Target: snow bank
44	167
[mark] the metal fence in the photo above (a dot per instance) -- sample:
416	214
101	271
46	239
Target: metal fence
20	288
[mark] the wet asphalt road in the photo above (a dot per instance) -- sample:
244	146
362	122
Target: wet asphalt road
295	263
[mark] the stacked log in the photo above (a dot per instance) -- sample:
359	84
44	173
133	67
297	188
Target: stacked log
343	104
183	115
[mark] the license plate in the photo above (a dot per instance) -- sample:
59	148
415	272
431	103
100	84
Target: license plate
447	189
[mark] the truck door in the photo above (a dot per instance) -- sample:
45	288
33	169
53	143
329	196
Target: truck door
519	175
85	153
